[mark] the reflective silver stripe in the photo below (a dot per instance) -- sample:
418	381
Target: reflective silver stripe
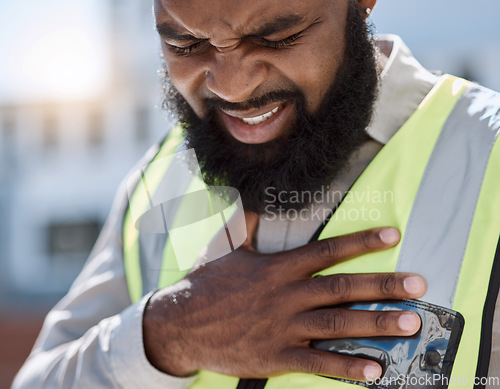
151	246
151	252
442	214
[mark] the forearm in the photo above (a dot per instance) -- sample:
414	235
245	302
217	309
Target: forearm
109	355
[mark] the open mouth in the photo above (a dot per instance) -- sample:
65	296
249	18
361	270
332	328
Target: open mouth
258	125
261	118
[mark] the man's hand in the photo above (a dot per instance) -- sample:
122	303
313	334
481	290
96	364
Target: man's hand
253	315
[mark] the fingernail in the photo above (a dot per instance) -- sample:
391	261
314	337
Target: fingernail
414	285
389	235
372	372
408	322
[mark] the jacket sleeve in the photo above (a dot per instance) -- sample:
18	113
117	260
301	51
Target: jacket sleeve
93	337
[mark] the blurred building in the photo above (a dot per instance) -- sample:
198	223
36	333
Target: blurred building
61	163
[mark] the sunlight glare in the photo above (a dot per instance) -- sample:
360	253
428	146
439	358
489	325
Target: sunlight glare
65	65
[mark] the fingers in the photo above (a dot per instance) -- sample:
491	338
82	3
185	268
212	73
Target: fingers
344	288
338	289
308	360
252	222
322	254
350	323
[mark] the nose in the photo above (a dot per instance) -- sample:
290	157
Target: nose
234	76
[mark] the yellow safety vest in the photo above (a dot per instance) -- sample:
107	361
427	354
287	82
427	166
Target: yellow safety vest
438	181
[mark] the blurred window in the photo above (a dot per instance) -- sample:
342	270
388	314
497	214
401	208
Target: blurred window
72	239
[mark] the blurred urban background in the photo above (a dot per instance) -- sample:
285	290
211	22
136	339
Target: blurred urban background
80	103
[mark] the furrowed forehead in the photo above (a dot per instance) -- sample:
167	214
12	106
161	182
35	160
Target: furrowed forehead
206	18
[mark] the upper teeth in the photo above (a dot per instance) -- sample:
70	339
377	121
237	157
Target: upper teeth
261	118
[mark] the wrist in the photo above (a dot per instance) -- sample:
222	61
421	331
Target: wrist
162	340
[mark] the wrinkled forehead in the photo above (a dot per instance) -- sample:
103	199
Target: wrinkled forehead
231	19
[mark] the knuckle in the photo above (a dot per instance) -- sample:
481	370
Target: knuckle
340	286
327	248
326	323
315	363
337	321
349	368
388	284
382	322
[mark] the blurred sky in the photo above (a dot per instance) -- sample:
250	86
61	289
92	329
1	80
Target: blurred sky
431	22
57	48
52	49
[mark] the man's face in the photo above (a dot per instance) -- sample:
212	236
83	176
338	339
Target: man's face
239	51
280	106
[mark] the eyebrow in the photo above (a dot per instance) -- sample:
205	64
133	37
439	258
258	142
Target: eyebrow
280	24
166	31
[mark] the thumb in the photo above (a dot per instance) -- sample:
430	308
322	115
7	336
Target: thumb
252	222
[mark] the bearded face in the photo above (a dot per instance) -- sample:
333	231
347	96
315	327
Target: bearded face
290	142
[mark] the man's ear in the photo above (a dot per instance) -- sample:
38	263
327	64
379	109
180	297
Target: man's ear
365	5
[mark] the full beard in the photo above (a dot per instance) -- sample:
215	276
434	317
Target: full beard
311	154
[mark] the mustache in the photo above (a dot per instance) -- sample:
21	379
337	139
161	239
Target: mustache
213	103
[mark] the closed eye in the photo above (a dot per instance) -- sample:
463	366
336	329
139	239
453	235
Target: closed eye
279	44
283	43
185	50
